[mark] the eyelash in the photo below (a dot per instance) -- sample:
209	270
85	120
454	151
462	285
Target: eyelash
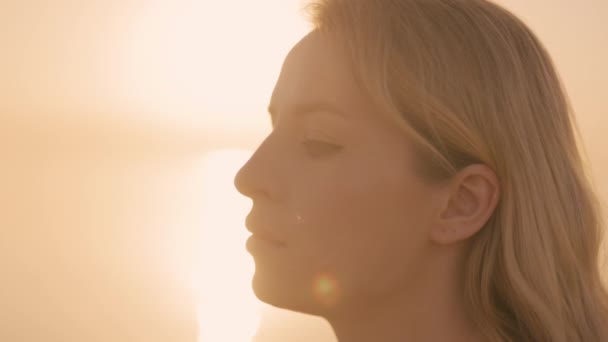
319	148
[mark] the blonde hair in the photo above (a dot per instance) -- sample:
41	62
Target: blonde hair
470	83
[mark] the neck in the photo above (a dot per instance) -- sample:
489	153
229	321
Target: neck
430	309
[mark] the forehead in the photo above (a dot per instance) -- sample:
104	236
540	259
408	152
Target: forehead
316	71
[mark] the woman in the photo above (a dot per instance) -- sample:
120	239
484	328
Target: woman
422	181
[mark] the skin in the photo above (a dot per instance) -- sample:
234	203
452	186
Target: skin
363	241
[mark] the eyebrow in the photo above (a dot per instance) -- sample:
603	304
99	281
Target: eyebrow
309	108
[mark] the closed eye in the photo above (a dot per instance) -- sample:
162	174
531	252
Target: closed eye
319	148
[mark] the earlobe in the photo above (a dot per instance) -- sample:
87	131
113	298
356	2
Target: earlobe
469	202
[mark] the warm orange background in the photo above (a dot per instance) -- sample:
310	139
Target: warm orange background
112	114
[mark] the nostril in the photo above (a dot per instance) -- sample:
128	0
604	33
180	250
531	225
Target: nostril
248	188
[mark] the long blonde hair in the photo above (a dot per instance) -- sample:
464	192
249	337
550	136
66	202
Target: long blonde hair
470	83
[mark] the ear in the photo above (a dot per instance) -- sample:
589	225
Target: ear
468	202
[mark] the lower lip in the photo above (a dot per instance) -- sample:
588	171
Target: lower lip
256	244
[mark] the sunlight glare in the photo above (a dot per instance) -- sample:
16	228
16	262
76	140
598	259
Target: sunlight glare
207	61
228	309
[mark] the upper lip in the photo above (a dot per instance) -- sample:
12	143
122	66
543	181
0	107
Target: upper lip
261	232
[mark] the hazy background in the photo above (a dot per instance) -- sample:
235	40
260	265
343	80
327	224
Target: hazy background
122	123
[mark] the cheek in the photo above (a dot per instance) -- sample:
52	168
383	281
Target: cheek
364	228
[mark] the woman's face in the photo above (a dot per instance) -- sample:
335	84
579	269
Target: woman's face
333	188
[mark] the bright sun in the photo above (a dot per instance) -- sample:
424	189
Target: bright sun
214	63
228	310
209	61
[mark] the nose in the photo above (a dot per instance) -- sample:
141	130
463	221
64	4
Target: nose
256	177
243	181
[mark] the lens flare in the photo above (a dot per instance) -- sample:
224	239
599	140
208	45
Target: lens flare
325	289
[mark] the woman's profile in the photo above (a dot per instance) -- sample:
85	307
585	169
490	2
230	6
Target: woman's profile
423	181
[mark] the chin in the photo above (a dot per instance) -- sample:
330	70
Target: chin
290	294
276	292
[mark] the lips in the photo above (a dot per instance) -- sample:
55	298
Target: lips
263	233
269	242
